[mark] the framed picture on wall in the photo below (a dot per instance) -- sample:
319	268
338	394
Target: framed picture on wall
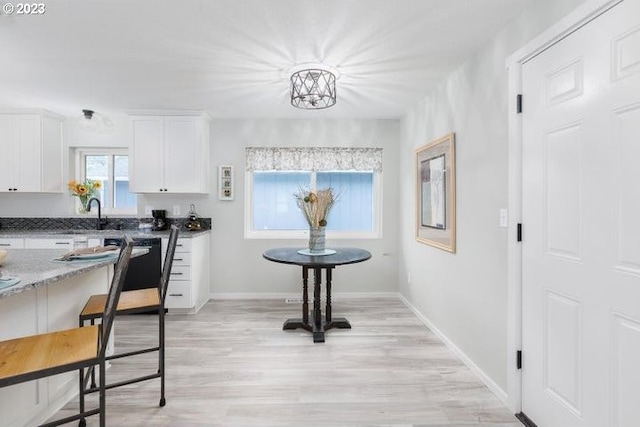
436	193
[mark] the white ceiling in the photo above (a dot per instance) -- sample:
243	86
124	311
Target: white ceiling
231	57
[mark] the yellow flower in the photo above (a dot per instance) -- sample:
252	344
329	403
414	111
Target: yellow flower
97	185
72	185
81	190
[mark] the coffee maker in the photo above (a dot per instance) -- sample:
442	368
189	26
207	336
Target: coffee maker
159	219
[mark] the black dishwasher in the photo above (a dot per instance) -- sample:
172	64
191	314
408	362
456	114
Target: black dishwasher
145	270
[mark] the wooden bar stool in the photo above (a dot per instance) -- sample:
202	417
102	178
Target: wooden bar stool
137	301
38	356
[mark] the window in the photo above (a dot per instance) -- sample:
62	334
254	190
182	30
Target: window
271	210
111	168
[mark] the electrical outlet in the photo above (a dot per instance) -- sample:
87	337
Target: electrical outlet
293	300
176	210
147	210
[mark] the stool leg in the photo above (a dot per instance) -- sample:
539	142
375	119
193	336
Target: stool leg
161	354
93	370
82	421
103	399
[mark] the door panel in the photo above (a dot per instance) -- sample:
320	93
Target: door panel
581	210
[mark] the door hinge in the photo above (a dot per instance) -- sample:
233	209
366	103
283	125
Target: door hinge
519	238
519	103
519	359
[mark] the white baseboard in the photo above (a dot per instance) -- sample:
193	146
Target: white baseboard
495	388
283	295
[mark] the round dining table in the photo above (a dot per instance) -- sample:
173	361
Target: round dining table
318	263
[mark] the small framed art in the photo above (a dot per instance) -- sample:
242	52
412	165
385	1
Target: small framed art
225	182
436	194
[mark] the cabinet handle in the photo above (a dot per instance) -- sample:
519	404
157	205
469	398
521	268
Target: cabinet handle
5	244
62	243
178	259
176	295
176	274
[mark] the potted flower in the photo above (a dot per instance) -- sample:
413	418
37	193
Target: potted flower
84	191
316	205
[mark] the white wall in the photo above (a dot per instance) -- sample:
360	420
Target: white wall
464	295
237	265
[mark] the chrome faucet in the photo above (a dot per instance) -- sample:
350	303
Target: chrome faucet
101	221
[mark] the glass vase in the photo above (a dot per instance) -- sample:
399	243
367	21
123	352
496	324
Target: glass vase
316	240
82	209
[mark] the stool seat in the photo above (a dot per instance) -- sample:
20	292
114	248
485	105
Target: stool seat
43	353
138	299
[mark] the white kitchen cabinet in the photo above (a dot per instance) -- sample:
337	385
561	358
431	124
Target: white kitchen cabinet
169	154
31	147
189	287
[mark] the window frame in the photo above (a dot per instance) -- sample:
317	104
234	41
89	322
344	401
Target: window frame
80	155
375	233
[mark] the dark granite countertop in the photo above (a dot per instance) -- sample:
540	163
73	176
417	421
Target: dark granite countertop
36	267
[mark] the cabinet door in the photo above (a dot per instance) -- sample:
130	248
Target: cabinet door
51	181
29	154
147	155
182	156
8	133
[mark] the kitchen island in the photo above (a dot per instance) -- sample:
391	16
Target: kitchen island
49	297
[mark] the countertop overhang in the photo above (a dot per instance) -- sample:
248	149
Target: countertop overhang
36	268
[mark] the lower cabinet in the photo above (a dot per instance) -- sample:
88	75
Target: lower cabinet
189	283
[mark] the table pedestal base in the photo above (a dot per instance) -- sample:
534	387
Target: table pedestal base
317	330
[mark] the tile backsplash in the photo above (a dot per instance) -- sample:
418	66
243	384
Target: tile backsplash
89	223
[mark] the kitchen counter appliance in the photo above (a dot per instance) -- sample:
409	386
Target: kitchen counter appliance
144	271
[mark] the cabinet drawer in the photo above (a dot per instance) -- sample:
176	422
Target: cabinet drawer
179	272
181	259
183	245
48	243
178	295
12	243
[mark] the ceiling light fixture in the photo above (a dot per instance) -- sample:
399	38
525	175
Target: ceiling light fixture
87	121
313	87
92	121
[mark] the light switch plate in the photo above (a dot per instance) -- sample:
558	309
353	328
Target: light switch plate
176	210
147	210
504	218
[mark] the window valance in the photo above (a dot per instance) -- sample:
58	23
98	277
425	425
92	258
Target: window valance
313	159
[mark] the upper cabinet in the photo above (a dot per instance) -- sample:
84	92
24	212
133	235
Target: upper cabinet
31	147
169	153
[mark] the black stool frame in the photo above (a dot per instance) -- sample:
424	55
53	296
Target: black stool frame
160	348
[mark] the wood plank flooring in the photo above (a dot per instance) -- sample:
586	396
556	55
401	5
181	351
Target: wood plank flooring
233	365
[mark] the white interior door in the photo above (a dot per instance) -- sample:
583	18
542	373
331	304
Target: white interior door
581	219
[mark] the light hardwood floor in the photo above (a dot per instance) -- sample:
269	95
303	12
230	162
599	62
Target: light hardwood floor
233	365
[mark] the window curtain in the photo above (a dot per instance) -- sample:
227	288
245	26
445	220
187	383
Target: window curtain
313	159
